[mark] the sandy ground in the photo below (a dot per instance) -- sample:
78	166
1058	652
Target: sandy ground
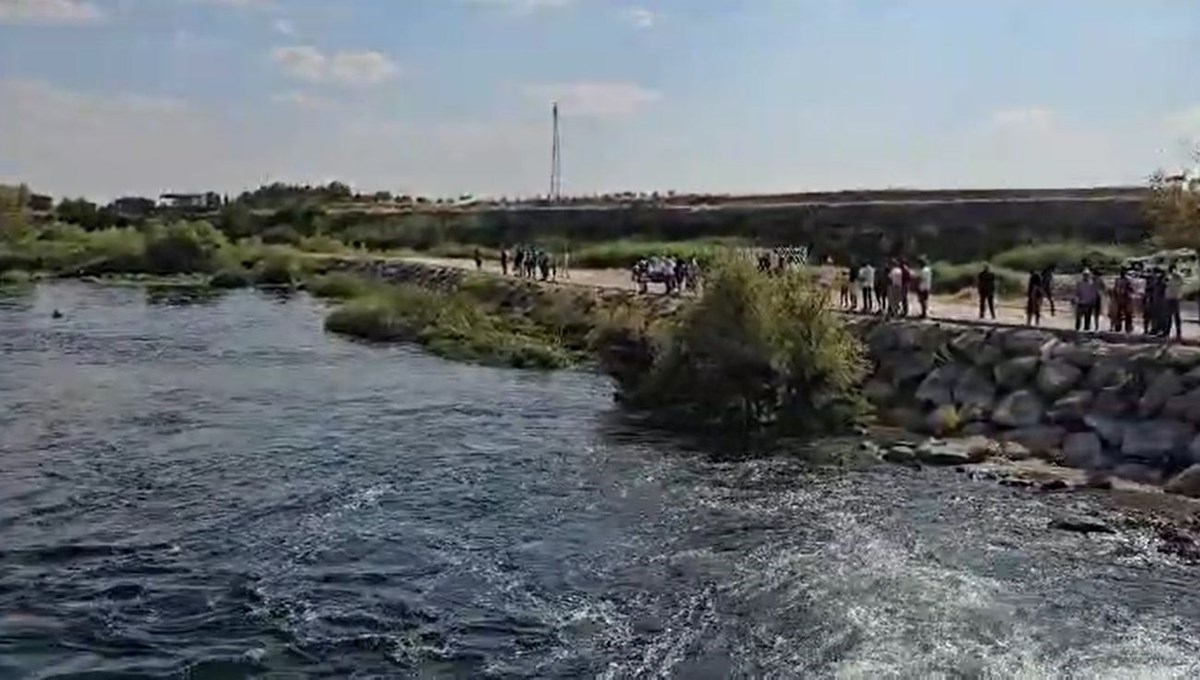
942	308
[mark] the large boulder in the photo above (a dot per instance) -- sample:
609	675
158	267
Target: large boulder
938	387
881	339
1165	385
1113	402
1015	373
1025	341
1079	354
942	421
1083	450
1192	377
1022	408
1138	472
1110	430
1155	439
1108	373
1184	406
905	366
1071	409
975	390
1041	440
1186	483
967	344
1193	451
1181	357
905	419
880	392
1056	377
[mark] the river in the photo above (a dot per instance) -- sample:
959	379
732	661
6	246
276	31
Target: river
219	489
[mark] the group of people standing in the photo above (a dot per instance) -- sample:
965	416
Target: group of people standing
885	289
530	262
675	273
1155	296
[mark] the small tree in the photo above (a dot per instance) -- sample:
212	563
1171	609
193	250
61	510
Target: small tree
1174	208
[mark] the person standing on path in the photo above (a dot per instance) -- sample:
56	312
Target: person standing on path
1087	301
504	260
1174	295
1033	299
566	264
895	289
478	260
1047	280
985	285
881	286
1138	282
924	287
906	286
866	283
1122	301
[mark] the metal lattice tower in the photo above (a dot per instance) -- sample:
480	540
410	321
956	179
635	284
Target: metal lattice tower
556	160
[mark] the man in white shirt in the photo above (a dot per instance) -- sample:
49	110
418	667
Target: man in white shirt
866	283
924	287
895	288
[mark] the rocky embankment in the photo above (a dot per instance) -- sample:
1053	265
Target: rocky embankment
1127	410
1124	410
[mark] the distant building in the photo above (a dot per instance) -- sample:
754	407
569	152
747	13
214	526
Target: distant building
133	206
41	202
206	201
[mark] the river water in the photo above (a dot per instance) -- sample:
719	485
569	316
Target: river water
219	489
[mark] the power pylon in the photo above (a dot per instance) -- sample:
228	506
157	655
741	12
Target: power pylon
556	160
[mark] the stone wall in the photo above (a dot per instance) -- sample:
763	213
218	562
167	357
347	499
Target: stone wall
1126	408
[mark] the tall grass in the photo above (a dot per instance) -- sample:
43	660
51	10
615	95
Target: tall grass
622	254
954	278
1065	256
453	325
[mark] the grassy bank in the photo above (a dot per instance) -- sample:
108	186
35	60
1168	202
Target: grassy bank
191	249
485	321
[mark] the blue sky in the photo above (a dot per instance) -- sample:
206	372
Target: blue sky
108	97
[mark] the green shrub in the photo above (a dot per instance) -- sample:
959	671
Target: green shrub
231	278
452	325
955	278
281	234
278	267
756	354
1066	256
182	248
340	286
623	254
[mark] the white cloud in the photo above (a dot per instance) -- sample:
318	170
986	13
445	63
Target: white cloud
303	100
283	27
523	6
49	12
640	17
596	98
346	68
1025	118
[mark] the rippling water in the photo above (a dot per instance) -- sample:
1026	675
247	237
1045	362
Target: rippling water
221	490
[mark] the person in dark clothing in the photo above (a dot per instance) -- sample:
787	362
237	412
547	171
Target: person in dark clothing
1122	301
1154	303
985	285
519	261
478	260
504	260
1048	287
852	287
1033	299
906	286
1173	294
881	287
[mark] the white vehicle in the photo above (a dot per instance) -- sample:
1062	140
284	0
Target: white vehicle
1184	260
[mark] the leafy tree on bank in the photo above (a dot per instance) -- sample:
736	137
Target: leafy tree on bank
13	220
1174	208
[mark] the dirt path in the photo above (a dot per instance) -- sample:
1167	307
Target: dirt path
950	308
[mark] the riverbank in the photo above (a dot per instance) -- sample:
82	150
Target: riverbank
1126	409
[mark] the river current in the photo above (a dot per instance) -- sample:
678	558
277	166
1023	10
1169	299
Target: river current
219	489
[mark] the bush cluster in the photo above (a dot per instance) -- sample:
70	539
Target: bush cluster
756	354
